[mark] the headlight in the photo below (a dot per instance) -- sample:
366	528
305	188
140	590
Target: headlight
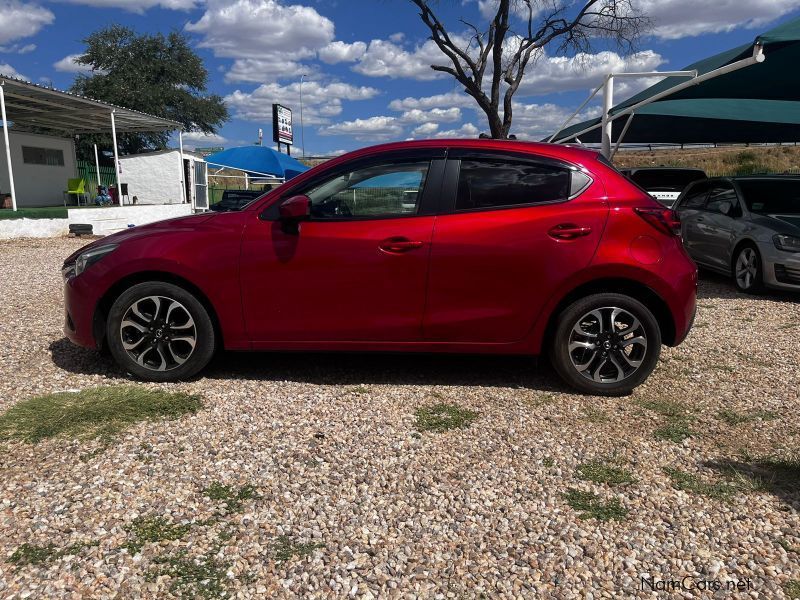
787	243
88	258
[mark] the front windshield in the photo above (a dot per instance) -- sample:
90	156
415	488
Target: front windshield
771	196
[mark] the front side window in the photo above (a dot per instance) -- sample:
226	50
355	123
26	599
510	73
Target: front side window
720	194
376	191
695	196
493	183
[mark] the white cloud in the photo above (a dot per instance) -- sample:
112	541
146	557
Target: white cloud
425	130
397	37
8	70
198	139
673	19
388	59
371	129
20	20
263	36
435	115
436	101
467	130
139	6
337	52
320	101
68	64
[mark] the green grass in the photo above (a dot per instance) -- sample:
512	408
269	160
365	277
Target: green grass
192	577
732	417
590	506
788	547
31	554
666	408
687	482
594	415
285	548
45	212
548	462
676	423
153	529
792	589
604	472
673	431
97	412
232	498
443	416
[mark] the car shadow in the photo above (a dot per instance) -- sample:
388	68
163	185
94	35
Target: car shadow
775	476
713	285
345	368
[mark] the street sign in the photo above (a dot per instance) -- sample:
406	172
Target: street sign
281	124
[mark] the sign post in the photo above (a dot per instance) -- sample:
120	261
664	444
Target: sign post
282	126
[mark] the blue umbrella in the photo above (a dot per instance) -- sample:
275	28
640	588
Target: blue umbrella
258	161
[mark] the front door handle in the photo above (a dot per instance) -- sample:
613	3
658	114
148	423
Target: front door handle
568	231
398	245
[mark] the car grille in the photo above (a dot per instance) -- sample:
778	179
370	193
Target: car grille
786	274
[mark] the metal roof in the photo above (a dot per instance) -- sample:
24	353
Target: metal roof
31	105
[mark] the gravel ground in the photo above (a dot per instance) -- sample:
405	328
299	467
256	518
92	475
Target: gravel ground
349	499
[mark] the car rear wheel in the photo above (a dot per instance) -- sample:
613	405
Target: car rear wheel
160	332
606	344
747	273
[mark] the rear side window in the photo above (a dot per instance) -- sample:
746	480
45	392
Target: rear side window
722	192
695	196
494	183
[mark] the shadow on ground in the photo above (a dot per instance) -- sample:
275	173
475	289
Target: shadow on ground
713	285
780	477
344	368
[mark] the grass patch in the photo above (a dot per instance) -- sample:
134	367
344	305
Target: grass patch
360	389
96	412
285	548
673	431
603	472
442	416
192	577
548	462
595	415
666	408
46	212
788	547
31	554
687	482
764	475
232	498
590	506
153	529
792	589
732	417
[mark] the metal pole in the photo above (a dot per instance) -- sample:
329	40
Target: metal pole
608	103
302	130
183	170
116	156
8	147
622	135
97	166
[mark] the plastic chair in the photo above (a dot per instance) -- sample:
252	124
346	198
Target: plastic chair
77	188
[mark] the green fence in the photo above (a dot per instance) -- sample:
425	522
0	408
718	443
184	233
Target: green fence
88	172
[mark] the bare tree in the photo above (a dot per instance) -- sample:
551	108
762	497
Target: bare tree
501	54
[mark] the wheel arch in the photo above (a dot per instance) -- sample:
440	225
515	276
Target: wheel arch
114	292
737	248
628	287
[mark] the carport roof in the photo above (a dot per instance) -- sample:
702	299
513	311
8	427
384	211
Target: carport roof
31	105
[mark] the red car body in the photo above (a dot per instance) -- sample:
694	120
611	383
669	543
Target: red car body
480	281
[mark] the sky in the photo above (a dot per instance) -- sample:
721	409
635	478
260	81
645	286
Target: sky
366	62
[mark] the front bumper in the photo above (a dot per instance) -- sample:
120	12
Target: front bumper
79	312
781	269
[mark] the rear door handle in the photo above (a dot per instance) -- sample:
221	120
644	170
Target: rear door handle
568	231
398	245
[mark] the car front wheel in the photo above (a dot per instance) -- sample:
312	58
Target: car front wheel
160	332
606	344
747	270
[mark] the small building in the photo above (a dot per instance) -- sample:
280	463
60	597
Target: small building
150	177
42	166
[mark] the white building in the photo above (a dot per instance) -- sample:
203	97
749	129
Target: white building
42	166
151	178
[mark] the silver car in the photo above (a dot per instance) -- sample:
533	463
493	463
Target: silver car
745	227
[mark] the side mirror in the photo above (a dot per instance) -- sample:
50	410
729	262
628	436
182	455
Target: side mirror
725	208
295	208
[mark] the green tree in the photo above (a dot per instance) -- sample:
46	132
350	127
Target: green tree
157	74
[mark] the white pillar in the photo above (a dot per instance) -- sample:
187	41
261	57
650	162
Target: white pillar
116	156
183	171
8	147
608	102
97	166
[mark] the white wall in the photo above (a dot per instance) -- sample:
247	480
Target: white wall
107	220
154	178
37	185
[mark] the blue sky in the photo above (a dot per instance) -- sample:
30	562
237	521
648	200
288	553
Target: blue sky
367	61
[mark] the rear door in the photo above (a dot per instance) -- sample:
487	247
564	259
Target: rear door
511	228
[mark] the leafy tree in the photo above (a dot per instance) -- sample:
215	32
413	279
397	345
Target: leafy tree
157	74
490	61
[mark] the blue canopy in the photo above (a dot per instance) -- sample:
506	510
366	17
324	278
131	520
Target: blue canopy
258	161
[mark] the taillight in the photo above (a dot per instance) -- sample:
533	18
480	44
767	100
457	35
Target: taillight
665	220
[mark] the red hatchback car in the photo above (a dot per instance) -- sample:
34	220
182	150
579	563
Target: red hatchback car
472	246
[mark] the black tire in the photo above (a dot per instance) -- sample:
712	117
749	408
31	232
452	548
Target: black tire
184	350
756	279
583	315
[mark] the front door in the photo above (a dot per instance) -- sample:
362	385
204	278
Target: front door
716	229
510	236
356	270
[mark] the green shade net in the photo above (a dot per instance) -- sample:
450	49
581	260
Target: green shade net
759	103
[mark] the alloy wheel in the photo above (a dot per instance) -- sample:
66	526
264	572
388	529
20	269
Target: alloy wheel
746	268
607	345
158	333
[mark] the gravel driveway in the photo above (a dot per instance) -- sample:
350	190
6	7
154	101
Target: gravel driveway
333	491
